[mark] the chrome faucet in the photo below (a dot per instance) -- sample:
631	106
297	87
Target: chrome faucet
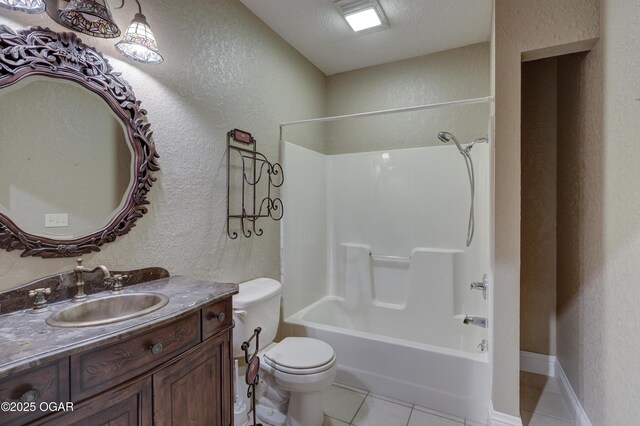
478	321
481	285
79	271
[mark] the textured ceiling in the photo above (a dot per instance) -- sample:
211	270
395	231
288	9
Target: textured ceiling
417	27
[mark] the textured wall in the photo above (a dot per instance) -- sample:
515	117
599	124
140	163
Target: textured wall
580	310
616	296
521	26
223	68
562	99
445	76
538	223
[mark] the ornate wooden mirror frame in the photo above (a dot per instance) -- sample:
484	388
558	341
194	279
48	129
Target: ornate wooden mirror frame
40	51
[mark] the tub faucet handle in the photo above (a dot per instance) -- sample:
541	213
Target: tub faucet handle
481	285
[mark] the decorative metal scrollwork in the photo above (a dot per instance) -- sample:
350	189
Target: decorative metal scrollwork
252	376
255	168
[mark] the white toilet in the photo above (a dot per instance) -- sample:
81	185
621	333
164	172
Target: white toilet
293	372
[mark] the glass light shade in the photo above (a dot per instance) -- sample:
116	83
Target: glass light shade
91	17
139	43
27	6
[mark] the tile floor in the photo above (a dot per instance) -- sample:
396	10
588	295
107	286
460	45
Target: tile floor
541	403
344	406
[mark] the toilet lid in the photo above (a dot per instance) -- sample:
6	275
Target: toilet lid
300	353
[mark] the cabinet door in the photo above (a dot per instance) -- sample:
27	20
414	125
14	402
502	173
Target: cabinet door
196	389
128	405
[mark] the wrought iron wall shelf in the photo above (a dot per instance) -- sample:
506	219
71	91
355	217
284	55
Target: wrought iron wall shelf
254	169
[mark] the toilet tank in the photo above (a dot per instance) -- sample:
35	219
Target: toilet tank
256	305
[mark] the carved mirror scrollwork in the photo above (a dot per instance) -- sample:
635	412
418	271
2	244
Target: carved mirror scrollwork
44	60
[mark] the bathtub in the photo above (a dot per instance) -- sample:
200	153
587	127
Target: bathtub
435	365
374	262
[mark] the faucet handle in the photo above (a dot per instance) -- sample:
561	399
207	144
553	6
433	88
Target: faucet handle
40	304
481	285
116	282
79	261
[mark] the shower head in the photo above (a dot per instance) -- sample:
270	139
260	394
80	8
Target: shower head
448	137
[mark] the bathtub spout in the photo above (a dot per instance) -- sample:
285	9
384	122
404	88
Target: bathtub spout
477	321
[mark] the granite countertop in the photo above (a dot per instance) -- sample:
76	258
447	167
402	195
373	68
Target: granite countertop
27	341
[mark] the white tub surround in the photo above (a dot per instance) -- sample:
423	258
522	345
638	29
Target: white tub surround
374	263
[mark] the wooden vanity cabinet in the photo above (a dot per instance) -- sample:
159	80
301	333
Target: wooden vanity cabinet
103	368
187	383
126	405
48	382
195	390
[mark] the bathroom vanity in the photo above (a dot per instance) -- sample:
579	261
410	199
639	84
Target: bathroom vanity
154	352
157	369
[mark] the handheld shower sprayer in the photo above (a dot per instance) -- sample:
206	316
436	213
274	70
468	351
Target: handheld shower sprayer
446	137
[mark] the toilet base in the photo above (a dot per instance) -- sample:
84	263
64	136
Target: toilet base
270	417
305	409
278	407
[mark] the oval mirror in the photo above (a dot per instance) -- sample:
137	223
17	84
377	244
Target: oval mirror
76	155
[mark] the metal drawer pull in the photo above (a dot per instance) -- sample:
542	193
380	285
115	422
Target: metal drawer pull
220	317
156	349
30	396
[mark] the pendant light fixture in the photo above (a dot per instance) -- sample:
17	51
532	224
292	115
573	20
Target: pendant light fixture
91	17
139	42
27	6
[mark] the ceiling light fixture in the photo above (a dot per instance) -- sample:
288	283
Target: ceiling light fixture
138	42
27	6
91	17
362	14
363	20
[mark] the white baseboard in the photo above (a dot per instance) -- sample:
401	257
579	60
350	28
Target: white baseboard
567	390
496	418
550	366
538	363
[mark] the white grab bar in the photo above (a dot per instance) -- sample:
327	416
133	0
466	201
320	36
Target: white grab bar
390	258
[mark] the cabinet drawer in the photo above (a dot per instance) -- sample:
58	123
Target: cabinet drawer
105	367
215	318
126	405
46	383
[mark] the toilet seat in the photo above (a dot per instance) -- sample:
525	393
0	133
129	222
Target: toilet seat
301	356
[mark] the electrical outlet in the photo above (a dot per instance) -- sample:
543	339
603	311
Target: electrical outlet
59	220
